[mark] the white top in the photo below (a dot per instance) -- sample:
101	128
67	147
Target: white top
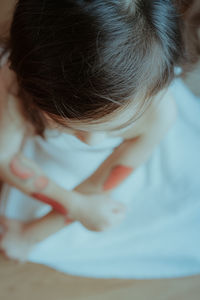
160	235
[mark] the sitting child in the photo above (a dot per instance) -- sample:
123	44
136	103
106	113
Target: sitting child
92	69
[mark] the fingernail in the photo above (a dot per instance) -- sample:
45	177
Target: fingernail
19	170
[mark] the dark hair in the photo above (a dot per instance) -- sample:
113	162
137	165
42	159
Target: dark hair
84	59
190	13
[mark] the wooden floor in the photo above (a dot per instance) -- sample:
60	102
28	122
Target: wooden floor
35	282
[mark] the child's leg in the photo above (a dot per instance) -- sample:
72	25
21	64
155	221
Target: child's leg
18	238
40	229
97	212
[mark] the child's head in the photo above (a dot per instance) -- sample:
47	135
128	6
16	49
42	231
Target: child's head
86	60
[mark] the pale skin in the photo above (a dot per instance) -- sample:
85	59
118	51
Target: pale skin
27	176
90	202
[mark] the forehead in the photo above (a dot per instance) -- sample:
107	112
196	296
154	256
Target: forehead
107	126
120	119
133	114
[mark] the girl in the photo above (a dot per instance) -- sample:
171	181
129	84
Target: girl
92	69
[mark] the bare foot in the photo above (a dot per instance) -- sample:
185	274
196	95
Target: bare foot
12	243
95	212
98	212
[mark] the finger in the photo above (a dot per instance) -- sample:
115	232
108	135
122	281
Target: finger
28	177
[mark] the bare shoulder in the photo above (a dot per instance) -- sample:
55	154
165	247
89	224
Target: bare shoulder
159	116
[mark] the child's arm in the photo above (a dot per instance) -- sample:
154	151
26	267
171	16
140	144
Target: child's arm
132	152
94	212
15	168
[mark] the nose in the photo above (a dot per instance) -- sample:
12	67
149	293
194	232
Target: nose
91	138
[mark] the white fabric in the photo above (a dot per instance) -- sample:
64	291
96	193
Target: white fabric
160	235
